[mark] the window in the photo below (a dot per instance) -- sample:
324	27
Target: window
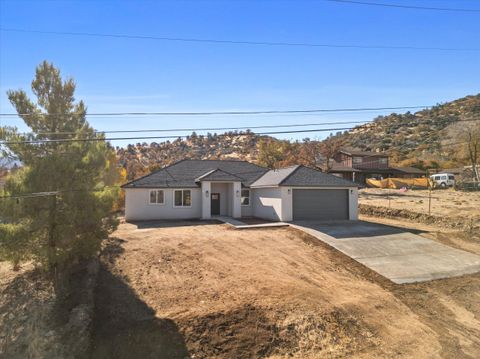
182	198
245	199
437	178
450	177
156	197
383	160
444	178
357	159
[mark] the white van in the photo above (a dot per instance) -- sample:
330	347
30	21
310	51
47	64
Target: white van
443	180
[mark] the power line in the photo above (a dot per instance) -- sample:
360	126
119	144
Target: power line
238	42
205	128
54	193
162	137
222	128
413	7
215	113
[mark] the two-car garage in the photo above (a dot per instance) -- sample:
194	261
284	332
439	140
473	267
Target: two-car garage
321	204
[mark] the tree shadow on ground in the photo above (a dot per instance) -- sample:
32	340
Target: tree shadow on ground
25	306
125	326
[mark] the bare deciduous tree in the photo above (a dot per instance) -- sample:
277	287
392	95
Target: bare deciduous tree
328	149
471	136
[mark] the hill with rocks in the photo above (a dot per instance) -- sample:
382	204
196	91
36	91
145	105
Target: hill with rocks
424	139
428	135
142	158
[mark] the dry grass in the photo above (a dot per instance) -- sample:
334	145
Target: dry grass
447	202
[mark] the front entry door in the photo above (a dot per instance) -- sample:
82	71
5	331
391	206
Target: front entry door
215	204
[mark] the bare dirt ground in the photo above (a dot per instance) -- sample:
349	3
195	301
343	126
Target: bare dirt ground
444	202
204	290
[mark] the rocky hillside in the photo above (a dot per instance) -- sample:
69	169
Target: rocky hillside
422	134
142	158
416	139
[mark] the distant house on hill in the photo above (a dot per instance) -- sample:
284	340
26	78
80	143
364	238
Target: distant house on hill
358	166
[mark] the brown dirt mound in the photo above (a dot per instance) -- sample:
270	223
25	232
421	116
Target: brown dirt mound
254	332
461	223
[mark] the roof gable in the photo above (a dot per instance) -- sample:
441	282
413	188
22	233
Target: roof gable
218	175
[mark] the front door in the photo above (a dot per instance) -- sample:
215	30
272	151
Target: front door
215	204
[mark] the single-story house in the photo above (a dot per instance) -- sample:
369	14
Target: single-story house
206	188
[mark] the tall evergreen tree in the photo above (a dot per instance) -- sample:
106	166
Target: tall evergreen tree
58	229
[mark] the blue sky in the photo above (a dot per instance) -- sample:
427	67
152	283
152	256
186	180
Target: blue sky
115	75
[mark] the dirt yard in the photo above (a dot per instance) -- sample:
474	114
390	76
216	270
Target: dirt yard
204	290
444	202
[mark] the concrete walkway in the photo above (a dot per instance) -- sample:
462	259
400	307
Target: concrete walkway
401	256
241	225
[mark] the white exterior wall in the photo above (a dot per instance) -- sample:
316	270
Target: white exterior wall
206	204
273	203
237	199
137	206
287	204
267	203
247	211
353	203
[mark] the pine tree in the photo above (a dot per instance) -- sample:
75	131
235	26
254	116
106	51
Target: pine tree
57	230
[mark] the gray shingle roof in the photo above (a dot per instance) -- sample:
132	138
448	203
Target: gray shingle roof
305	176
301	176
184	174
274	177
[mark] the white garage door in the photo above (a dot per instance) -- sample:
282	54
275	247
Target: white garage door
320	204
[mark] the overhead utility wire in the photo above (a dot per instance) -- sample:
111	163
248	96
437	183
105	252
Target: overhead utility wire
205	128
52	193
237	42
161	137
414	7
214	113
221	128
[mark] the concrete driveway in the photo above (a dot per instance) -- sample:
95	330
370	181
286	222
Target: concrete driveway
399	255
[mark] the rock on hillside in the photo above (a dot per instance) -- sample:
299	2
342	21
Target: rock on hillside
413	134
142	158
410	139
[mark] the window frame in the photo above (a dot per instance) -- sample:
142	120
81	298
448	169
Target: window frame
156	197
357	160
182	190
249	197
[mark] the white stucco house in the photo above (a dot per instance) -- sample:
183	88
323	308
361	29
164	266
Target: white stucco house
207	188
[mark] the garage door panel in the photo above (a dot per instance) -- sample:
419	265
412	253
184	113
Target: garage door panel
320	204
